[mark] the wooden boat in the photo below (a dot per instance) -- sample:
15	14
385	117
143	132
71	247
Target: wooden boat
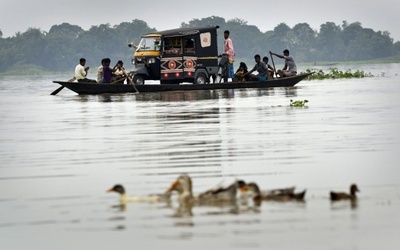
91	88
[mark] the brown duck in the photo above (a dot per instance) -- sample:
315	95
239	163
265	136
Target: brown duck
183	185
279	191
335	196
285	194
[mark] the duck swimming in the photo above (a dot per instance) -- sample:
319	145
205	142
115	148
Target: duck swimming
124	198
289	190
335	196
286	194
183	185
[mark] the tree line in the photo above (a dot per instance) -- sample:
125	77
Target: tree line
60	48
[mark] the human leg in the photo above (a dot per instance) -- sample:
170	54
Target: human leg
231	72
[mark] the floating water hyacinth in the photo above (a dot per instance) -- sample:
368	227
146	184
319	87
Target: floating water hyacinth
334	73
298	103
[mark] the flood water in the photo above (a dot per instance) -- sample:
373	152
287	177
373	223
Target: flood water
59	154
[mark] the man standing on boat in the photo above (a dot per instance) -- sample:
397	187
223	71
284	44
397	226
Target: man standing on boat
290	68
230	53
81	72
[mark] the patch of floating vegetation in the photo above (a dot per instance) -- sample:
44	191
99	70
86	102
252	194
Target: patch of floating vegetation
335	73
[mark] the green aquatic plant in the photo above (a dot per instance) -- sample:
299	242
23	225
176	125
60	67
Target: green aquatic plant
335	73
298	103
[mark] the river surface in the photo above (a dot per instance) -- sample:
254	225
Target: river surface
59	154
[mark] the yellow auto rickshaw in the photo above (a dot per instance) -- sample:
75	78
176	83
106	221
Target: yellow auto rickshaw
177	55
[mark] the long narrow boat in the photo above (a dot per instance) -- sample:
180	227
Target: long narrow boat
91	88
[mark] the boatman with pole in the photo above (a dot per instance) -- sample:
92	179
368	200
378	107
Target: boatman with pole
290	68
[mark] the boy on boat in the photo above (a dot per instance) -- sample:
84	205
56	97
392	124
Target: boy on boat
100	71
270	69
240	73
119	71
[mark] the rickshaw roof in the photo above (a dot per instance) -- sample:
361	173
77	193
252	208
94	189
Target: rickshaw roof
183	31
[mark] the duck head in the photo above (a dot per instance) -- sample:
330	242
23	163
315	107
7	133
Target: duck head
118	189
183	185
242	186
121	191
354	189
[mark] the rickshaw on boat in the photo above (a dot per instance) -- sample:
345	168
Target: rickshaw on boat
176	56
173	57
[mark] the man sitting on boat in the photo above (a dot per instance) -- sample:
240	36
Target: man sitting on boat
119	72
261	68
107	71
290	68
81	71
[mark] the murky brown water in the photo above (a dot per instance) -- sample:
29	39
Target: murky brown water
59	154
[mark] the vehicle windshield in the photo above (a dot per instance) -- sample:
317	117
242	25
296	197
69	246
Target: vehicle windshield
149	43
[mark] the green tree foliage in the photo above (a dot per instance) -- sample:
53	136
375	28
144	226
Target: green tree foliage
60	48
396	48
329	45
304	40
365	43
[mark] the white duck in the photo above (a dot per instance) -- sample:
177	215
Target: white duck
124	198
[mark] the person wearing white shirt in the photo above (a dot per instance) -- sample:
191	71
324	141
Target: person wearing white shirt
290	68
81	71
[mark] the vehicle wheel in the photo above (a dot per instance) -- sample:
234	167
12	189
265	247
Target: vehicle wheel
200	79
138	79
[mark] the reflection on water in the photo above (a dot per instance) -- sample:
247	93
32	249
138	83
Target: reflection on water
186	96
59	153
353	204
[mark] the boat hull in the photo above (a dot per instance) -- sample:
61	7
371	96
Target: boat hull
83	88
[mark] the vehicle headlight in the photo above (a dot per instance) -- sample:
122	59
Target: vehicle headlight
151	60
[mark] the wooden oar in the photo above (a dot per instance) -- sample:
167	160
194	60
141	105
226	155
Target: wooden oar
272	58
133	84
55	92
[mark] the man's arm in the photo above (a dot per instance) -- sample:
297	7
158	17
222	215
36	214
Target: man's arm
84	71
251	71
280	56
